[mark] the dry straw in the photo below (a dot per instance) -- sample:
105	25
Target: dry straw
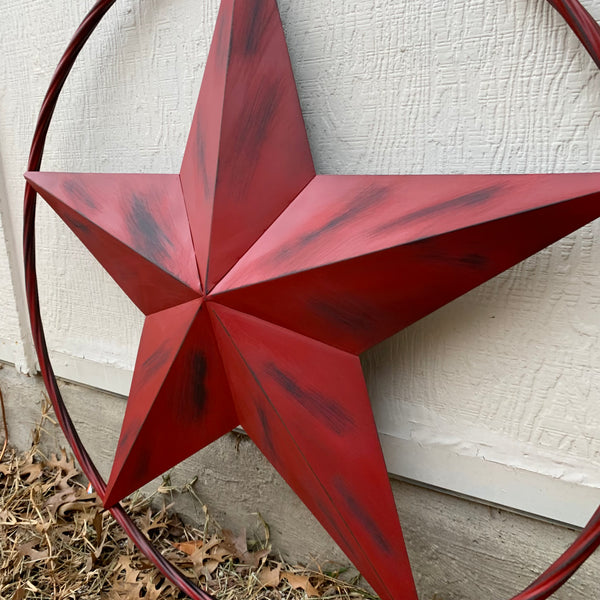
56	541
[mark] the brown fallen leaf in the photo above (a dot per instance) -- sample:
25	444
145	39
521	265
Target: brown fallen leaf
123	590
62	497
20	594
188	547
301	582
208	568
270	577
236	543
29	551
209	556
98	523
29	473
126	576
65	466
79	505
155	586
149	522
239	548
63	462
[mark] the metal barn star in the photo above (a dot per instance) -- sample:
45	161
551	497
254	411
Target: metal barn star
262	283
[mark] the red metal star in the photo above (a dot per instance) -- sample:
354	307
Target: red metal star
262	282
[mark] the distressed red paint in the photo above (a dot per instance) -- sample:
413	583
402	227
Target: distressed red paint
262	282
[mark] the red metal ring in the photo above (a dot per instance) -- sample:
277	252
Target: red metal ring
586	29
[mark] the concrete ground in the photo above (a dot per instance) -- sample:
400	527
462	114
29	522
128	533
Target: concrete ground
459	549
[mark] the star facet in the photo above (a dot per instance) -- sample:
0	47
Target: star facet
262	282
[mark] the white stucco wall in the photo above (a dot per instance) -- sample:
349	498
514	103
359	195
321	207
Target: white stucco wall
11	348
493	396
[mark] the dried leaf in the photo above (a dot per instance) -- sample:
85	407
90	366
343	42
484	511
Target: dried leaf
66	467
124	570
98	523
270	577
30	473
149	522
155	585
208	552
65	463
301	582
209	567
124	590
57	500
80	505
236	543
238	547
189	547
20	594
29	551
258	556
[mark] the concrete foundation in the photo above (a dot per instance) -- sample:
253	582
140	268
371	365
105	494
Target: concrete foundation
459	550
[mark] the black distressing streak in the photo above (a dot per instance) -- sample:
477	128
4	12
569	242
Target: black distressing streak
79	192
326	410
362	515
349	314
142	467
333	518
147	234
254	21
365	200
474	260
157	359
269	449
80	228
439	210
256	123
223	42
471	261
197	367
125	438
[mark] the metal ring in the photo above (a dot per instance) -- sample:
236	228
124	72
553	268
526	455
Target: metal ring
588	32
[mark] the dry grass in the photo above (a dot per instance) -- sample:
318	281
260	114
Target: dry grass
57	542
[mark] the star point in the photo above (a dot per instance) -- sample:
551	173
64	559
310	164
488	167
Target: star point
135	225
247	155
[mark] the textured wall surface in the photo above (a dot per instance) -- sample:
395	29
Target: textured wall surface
508	375
10	335
14	337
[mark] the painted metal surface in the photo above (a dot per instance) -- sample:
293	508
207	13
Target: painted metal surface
354	259
247	155
299	273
